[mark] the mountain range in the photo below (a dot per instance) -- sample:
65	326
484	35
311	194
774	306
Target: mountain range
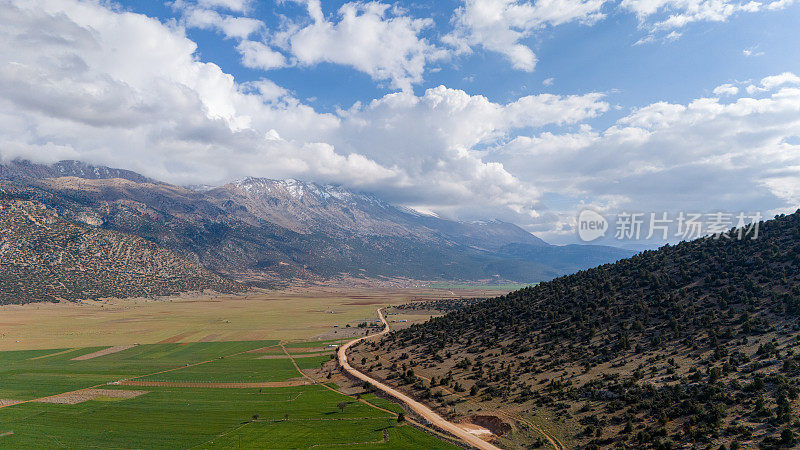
269	231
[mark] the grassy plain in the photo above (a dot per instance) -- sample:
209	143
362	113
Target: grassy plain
298	314
194	339
176	417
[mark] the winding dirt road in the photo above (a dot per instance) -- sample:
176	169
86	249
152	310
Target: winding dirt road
428	414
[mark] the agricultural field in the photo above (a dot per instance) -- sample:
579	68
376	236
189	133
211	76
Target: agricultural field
189	395
197	371
297	314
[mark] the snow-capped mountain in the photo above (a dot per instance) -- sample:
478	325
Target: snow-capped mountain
258	227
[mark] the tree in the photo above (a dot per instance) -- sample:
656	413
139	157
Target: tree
401	417
342	406
255	416
787	437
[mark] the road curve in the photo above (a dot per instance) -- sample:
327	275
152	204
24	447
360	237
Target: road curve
428	414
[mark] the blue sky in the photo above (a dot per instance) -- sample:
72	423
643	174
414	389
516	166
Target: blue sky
522	110
580	58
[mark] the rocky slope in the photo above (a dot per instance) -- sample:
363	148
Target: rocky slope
287	229
693	345
46	257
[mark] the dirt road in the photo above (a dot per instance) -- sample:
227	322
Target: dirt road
428	414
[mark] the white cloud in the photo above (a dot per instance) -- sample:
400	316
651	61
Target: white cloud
122	89
703	156
501	25
371	37
233	5
257	55
548	81
232	27
666	16
752	51
773	81
80	81
726	89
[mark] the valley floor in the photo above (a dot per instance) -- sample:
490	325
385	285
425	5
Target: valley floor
198	372
178	401
296	313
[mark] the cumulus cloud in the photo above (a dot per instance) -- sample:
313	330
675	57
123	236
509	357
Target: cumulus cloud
726	89
434	136
704	156
371	37
257	55
773	81
230	26
501	25
666	16
233	5
81	81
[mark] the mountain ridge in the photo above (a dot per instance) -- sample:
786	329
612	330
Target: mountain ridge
46	257
289	230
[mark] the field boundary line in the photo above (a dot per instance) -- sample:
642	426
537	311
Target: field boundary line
223	434
53	354
332	389
37	400
195	364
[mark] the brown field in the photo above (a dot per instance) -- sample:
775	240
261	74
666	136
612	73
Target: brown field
265	384
291	314
307	355
75	397
103	352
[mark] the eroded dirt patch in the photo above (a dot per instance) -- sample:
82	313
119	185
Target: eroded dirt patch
310	355
265	384
52	354
103	352
8	402
75	397
177	338
494	424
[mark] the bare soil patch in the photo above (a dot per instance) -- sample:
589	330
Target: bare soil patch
365	303
313	355
72	398
8	402
309	349
492	424
177	338
52	354
266	384
105	351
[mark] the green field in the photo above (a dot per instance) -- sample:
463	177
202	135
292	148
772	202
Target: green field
499	287
180	417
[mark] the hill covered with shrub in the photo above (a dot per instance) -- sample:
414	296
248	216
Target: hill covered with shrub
46	257
692	344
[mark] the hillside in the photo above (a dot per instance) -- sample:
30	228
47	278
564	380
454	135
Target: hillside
692	344
282	230
45	257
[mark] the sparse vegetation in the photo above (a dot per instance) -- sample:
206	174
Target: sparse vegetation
693	344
